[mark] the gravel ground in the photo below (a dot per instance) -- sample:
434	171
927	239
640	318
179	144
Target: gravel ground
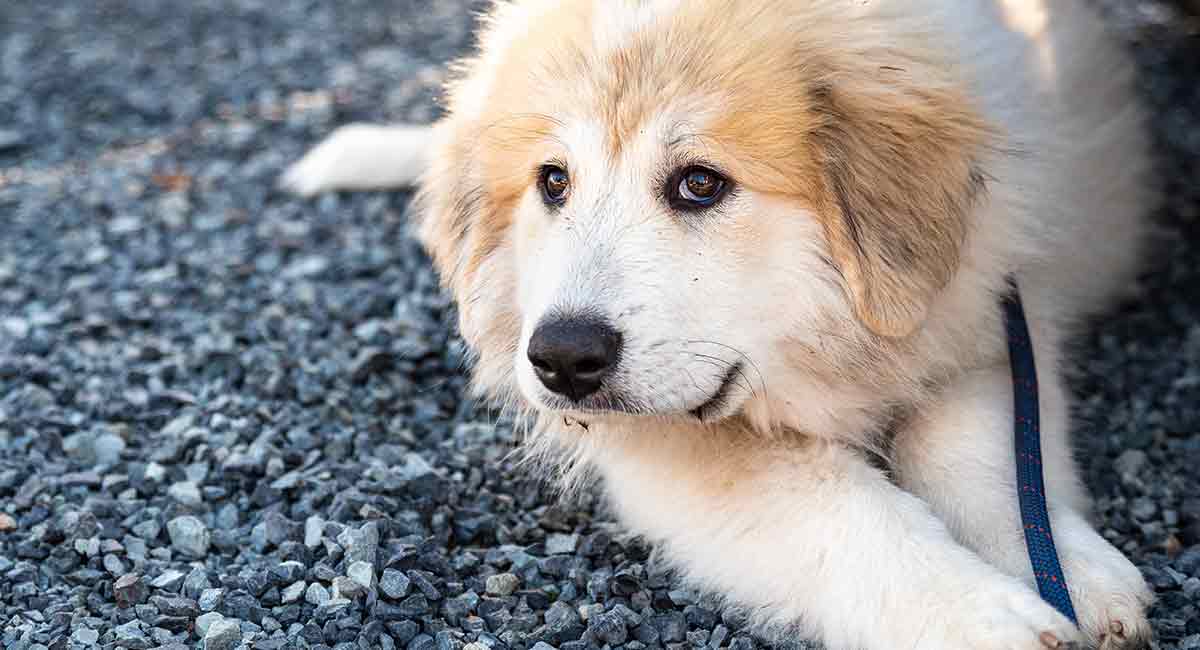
230	418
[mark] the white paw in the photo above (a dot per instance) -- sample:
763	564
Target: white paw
1006	616
360	157
1110	597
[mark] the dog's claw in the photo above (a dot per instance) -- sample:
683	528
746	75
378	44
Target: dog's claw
1049	640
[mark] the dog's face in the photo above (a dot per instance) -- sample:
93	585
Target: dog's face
663	208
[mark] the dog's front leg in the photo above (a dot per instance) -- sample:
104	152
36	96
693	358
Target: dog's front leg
959	457
811	535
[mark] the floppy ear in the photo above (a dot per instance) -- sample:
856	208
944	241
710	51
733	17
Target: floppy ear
901	173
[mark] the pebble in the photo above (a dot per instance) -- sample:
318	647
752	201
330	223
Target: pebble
560	544
11	140
189	536
394	584
313	531
130	635
169	580
347	588
186	493
210	599
316	594
204	621
223	634
129	590
609	628
292	592
114	565
363	574
108	448
502	584
85	636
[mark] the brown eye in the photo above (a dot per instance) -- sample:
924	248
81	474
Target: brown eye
554	183
698	187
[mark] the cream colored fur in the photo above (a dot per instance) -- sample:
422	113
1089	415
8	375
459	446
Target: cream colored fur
772	502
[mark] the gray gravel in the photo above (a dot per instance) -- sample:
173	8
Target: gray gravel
230	418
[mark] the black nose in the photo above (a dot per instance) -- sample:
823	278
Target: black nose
572	355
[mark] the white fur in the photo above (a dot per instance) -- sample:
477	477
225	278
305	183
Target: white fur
798	528
361	157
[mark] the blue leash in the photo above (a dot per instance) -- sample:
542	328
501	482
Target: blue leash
1031	490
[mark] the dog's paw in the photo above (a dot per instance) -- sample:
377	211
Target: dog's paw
1009	617
1110	597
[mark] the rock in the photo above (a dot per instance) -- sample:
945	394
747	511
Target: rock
414	606
11	140
1144	509
362	573
292	592
348	588
1188	562
129	590
370	360
211	599
223	634
147	530
306	267
502	584
114	566
560	544
7	523
314	528
1130	463
609	628
286	573
278	529
316	594
423	581
563	623
169	580
672	627
130	635
360	545
186	493
394	584
204	621
85	636
189	536
196	583
177	606
108	448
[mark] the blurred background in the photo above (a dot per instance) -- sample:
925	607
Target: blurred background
231	418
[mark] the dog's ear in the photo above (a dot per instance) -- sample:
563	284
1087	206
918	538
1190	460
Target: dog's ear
449	200
901	170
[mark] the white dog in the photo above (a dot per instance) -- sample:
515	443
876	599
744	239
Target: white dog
728	254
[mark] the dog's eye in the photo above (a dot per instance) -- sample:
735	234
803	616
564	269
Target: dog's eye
698	187
554	183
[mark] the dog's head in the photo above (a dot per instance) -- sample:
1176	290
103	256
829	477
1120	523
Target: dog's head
666	208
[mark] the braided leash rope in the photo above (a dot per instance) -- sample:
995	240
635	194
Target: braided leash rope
1035	519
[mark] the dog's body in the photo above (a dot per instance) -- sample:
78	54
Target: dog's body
877	171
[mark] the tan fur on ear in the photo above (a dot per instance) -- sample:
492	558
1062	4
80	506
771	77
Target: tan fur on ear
901	159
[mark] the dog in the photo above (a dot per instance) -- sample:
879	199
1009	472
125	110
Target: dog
743	262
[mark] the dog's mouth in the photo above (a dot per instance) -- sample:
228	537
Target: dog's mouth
616	403
716	405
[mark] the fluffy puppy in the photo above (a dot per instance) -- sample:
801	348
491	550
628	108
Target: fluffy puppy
728	254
